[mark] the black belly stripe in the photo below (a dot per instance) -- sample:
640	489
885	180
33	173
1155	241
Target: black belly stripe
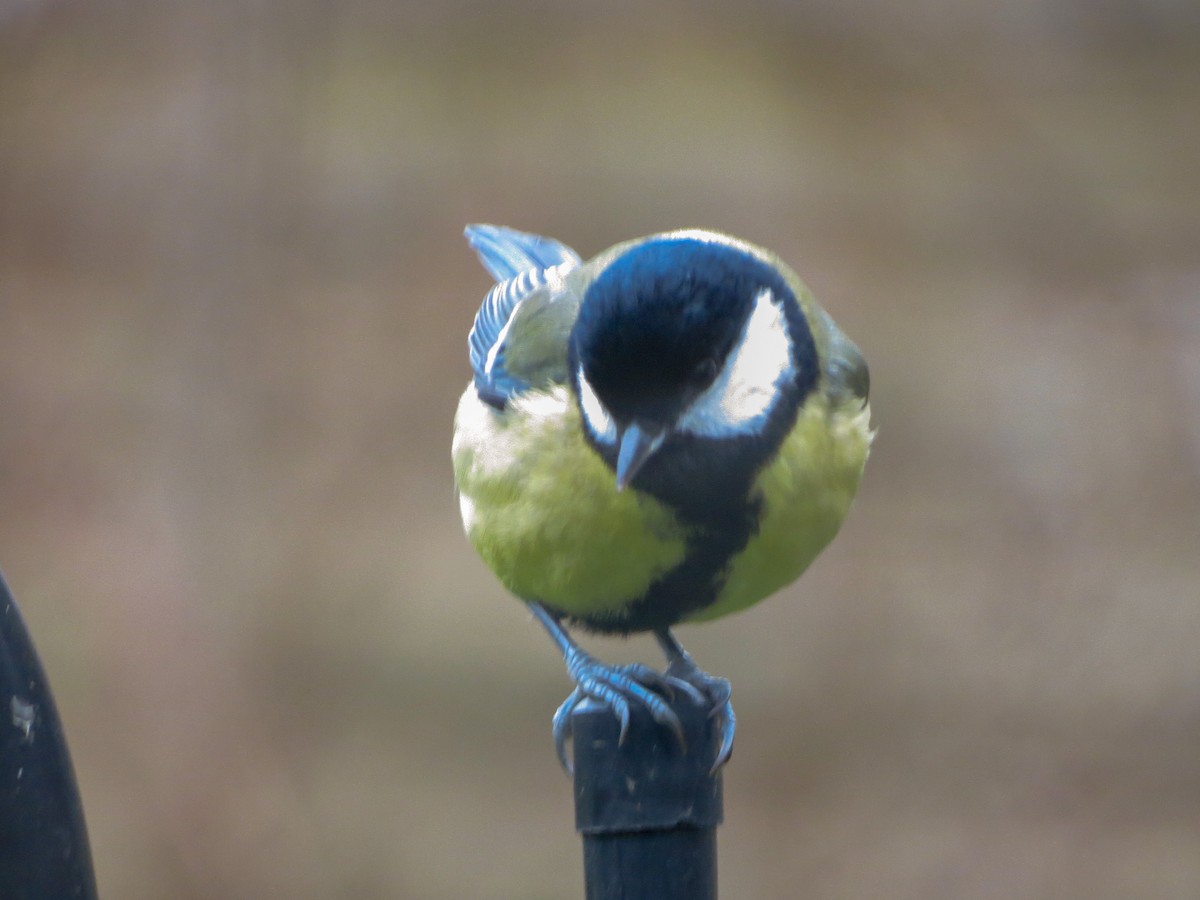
708	484
697	581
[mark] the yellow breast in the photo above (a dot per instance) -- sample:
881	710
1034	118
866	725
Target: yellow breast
540	507
807	491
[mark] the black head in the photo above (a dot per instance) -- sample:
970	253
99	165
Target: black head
656	325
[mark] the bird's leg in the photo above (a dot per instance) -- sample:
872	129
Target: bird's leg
716	691
614	686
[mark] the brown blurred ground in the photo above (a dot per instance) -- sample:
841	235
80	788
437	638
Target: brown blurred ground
233	302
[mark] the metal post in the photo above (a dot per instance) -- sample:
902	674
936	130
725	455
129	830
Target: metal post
44	853
647	810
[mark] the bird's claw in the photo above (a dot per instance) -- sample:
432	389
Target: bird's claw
713	692
562	727
617	687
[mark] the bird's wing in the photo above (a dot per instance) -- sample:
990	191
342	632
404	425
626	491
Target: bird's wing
847	377
519	339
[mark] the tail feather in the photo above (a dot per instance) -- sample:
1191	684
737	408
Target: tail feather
506	252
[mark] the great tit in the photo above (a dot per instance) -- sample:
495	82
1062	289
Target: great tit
669	432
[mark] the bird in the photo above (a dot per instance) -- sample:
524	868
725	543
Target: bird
668	432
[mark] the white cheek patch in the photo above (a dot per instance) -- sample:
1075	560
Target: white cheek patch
597	418
740	399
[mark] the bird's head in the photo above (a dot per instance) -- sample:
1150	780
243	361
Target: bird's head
686	334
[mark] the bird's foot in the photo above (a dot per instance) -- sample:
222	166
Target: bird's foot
618	687
714	691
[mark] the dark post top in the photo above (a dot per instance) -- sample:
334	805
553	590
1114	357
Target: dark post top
647	809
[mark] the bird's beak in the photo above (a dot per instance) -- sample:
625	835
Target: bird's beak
637	446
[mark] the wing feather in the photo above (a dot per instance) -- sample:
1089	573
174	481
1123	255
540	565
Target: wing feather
528	267
846	372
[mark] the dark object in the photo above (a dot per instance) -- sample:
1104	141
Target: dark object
44	852
648	810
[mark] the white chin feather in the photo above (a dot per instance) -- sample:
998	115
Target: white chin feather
740	399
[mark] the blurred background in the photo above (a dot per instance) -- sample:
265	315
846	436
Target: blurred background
234	298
